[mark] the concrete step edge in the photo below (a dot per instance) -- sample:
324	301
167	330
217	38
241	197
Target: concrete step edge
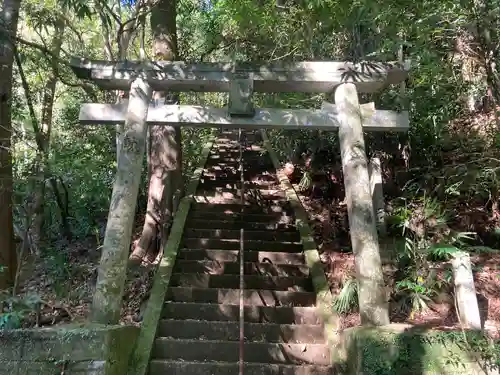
190	329
209	368
252	297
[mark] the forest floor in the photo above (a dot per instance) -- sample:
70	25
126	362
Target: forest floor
329	222
63	282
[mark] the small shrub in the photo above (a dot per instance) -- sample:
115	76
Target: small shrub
347	300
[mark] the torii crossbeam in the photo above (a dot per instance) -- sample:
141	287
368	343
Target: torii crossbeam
325	118
241	80
308	76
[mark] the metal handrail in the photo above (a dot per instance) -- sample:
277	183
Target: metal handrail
241	258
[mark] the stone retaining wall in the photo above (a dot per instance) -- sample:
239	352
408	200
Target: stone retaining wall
403	349
68	350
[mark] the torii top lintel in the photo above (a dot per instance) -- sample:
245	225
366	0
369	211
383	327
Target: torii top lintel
306	76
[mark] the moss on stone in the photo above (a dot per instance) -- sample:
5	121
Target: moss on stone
74	347
403	349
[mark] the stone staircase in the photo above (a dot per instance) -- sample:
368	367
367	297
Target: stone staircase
199	328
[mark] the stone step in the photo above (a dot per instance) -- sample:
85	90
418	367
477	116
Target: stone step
237	224
234	152
232	190
163	367
250	256
235	166
200	280
234	198
228	351
247	152
253	162
250	297
276	210
234	176
250	157
253	332
233	268
224	147
226	234
249	245
210	184
210	197
268	216
254	196
234	169
252	314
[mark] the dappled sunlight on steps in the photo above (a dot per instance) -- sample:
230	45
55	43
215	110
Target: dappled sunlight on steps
199	328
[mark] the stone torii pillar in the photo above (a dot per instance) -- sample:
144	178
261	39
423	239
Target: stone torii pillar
107	300
373	302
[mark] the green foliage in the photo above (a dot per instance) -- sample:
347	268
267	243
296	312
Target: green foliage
347	300
13	309
414	295
424	223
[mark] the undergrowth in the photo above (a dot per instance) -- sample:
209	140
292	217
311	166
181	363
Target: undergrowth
426	240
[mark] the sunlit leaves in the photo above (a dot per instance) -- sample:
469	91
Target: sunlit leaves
81	8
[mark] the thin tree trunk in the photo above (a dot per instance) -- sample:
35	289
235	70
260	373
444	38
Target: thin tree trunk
8	28
165	157
45	132
488	42
123	37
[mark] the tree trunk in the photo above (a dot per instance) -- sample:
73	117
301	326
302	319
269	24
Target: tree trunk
8	256
165	154
107	302
45	132
123	37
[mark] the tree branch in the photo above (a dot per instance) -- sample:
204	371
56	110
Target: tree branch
88	88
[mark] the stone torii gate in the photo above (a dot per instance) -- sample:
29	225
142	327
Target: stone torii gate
351	118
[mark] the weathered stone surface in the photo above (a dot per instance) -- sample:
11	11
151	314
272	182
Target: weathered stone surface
94	349
375	173
230	331
253	314
260	118
373	304
403	349
302	76
228	351
107	300
221	368
465	291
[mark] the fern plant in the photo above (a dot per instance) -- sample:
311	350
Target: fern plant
347	300
427	237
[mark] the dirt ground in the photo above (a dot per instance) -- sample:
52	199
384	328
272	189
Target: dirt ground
329	221
64	289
